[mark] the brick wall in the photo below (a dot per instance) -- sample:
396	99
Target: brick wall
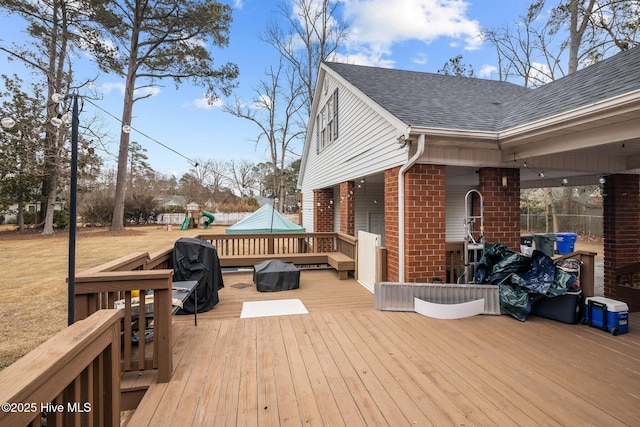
621	226
425	223
501	206
391	222
347	207
323	210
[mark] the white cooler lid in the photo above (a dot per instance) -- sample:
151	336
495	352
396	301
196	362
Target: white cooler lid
612	304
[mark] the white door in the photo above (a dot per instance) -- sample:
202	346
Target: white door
367	258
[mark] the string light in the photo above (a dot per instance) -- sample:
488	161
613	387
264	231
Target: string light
127	128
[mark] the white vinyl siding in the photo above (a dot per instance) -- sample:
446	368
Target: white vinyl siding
368	201
454	198
366	142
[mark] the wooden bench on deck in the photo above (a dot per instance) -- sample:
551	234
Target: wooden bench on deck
339	261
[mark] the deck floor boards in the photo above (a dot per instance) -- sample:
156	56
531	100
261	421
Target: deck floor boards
346	363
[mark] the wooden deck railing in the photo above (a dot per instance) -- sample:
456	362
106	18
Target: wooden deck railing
72	379
281	243
99	288
628	285
454	261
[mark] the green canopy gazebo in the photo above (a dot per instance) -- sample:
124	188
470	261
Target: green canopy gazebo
265	220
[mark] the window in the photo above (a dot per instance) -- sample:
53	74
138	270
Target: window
327	122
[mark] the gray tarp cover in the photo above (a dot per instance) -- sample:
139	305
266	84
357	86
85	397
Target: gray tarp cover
522	280
276	275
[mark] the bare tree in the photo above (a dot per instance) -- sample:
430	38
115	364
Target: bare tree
312	36
576	32
216	174
523	48
275	110
243	176
595	27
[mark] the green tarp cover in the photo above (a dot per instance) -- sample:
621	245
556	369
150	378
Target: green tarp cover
522	280
265	220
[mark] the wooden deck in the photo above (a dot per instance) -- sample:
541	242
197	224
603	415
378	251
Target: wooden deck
346	363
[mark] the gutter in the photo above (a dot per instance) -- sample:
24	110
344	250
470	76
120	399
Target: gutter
401	174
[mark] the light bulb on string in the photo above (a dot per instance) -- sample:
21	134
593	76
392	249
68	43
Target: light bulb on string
56	121
7	122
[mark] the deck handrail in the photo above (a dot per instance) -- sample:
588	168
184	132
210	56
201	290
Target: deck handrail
73	378
95	291
133	261
627	287
628	270
273	243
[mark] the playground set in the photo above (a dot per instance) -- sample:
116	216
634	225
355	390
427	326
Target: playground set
194	214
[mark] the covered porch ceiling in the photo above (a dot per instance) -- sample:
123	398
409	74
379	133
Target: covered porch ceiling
575	148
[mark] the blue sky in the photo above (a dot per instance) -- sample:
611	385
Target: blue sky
420	35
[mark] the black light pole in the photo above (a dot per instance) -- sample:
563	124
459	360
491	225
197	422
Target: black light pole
75	123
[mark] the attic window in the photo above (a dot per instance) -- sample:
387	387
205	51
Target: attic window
327	122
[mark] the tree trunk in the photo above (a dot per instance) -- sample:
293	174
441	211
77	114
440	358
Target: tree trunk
117	222
50	203
21	211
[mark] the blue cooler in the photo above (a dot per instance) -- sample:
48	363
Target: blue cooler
565	242
607	314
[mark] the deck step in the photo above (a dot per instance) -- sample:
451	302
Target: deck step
133	386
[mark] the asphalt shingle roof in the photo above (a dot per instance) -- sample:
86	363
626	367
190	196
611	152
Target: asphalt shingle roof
451	102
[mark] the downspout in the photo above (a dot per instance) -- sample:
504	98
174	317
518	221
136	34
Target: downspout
403	170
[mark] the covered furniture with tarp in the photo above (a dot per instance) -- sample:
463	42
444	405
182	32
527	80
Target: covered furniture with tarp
275	275
523	280
265	220
196	259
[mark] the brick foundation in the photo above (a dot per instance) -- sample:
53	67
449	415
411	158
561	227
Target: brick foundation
501	206
621	226
347	208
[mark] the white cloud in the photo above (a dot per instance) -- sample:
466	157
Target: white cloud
377	24
237	4
146	91
420	58
487	71
367	58
204	104
120	86
539	74
108	87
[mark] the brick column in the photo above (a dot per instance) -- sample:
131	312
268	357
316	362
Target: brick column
347	208
391	222
501	206
323	217
323	210
621	226
425	223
